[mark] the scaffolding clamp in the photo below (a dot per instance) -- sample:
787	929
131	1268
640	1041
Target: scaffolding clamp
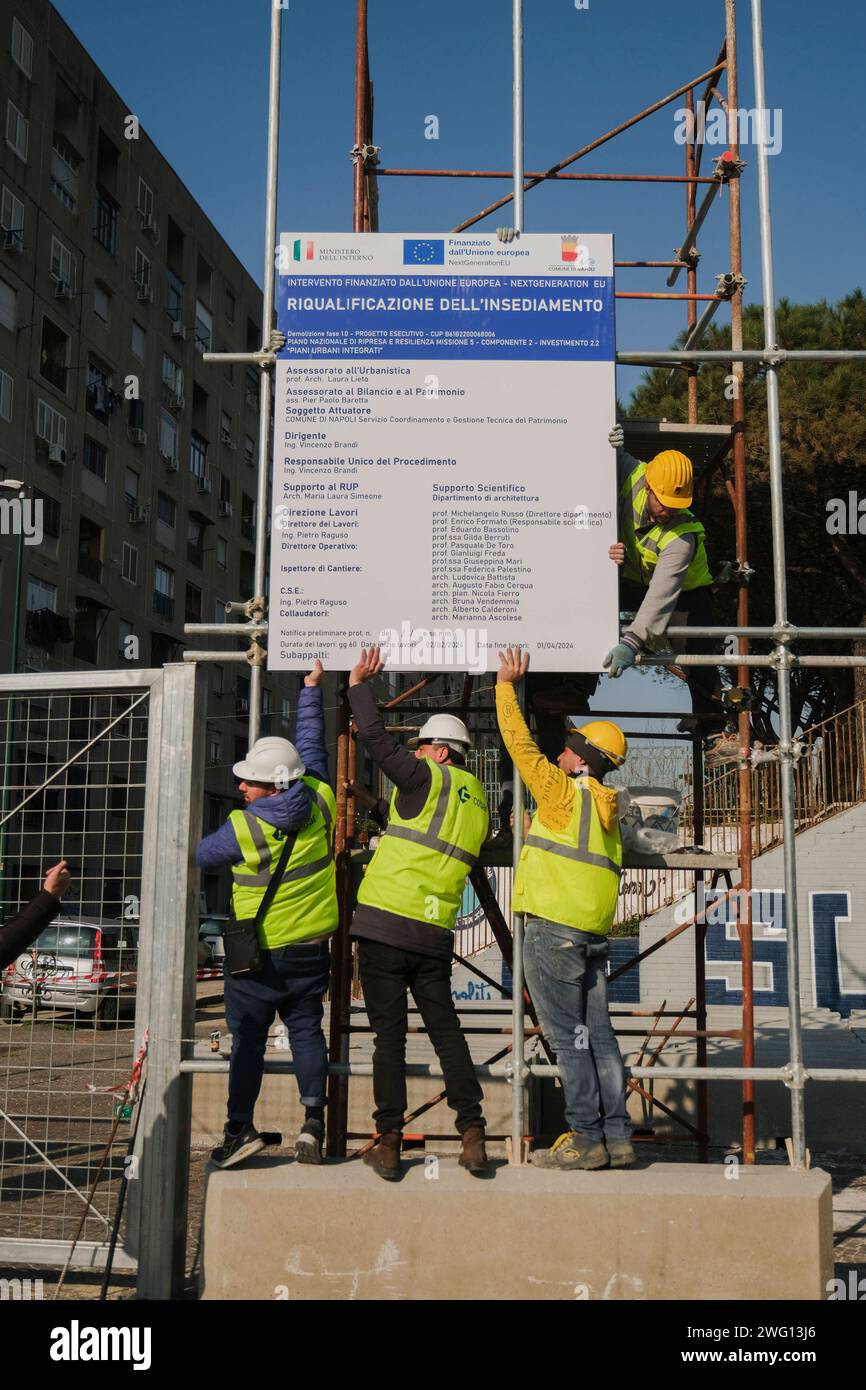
256	653
794	1075
367	154
688	256
728	166
515	1069
734	572
737	698
729	284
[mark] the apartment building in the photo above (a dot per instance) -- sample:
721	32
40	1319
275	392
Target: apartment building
113	282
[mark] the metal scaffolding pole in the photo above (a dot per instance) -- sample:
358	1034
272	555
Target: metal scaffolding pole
786	752
518	1091
266	372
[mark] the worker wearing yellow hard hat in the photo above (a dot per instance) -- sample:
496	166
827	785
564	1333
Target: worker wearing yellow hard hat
666	578
567	883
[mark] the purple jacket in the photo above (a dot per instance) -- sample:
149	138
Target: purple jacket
286	809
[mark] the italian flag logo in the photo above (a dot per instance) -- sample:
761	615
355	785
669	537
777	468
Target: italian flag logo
303	250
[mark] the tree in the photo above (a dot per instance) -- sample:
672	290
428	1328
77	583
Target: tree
823	419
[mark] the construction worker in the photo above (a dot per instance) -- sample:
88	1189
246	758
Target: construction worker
287	797
666	577
567	884
407	905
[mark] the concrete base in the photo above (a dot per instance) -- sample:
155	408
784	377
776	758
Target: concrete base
279	1230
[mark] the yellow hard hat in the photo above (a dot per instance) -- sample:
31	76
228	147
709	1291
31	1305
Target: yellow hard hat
669	475
608	738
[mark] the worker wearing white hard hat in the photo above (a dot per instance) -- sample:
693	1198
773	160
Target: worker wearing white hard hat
284	899
408	903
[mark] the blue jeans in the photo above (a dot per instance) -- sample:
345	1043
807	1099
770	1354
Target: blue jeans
292	983
565	975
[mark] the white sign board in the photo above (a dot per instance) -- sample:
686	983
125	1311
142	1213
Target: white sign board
443	483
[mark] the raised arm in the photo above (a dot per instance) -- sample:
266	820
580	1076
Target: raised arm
407	772
310	731
552	788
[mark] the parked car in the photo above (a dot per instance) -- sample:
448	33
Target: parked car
80	963
211	946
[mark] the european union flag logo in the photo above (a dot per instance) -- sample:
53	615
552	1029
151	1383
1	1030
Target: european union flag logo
417	252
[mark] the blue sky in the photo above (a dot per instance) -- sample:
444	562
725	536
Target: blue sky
196	75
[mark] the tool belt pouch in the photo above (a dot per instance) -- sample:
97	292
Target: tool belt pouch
241	936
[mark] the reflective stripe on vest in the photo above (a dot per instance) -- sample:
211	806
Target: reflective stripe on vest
644	544
262	878
419	868
571	876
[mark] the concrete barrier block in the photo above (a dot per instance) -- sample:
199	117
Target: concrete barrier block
280	1230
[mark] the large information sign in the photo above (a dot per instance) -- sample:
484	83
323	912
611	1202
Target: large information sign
443	482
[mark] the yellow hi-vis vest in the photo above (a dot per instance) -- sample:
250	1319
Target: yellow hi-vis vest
571	876
420	865
642	548
305	904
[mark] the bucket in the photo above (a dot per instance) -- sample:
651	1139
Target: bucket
655	808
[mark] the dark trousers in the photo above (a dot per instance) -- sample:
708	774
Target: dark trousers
386	974
292	983
704	682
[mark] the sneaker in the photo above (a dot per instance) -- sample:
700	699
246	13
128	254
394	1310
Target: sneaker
572	1150
236	1148
721	748
621	1152
308	1145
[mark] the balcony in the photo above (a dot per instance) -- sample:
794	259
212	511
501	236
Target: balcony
163	604
91	567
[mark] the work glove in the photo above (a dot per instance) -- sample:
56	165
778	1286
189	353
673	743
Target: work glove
507	233
619	659
616	438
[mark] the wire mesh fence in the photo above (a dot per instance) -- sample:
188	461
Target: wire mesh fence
73	787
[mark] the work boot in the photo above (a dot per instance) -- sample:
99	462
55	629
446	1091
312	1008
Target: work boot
473	1155
621	1152
384	1157
572	1150
240	1142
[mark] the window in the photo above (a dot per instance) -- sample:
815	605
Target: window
139	338
168	438
54	354
231	305
218	679
105	221
136	420
141	273
50	424
248	517
203	327
101	303
219	611
89	549
250	450
163	591
214	747
145	200
174	296
64	172
17	130
8	306
226	428
62	265
12	219
222	552
129	563
130	487
192	604
22	48
50	512
197	455
6	391
41	594
166	509
172	381
99	397
195	542
251	387
95	458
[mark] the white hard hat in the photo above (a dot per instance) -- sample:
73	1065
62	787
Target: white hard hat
270	760
443	728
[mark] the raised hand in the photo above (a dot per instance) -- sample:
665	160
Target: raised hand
512	664
369	665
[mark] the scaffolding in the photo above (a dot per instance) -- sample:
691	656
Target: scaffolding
710	444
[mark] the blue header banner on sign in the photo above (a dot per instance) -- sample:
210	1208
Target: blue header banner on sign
415	317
